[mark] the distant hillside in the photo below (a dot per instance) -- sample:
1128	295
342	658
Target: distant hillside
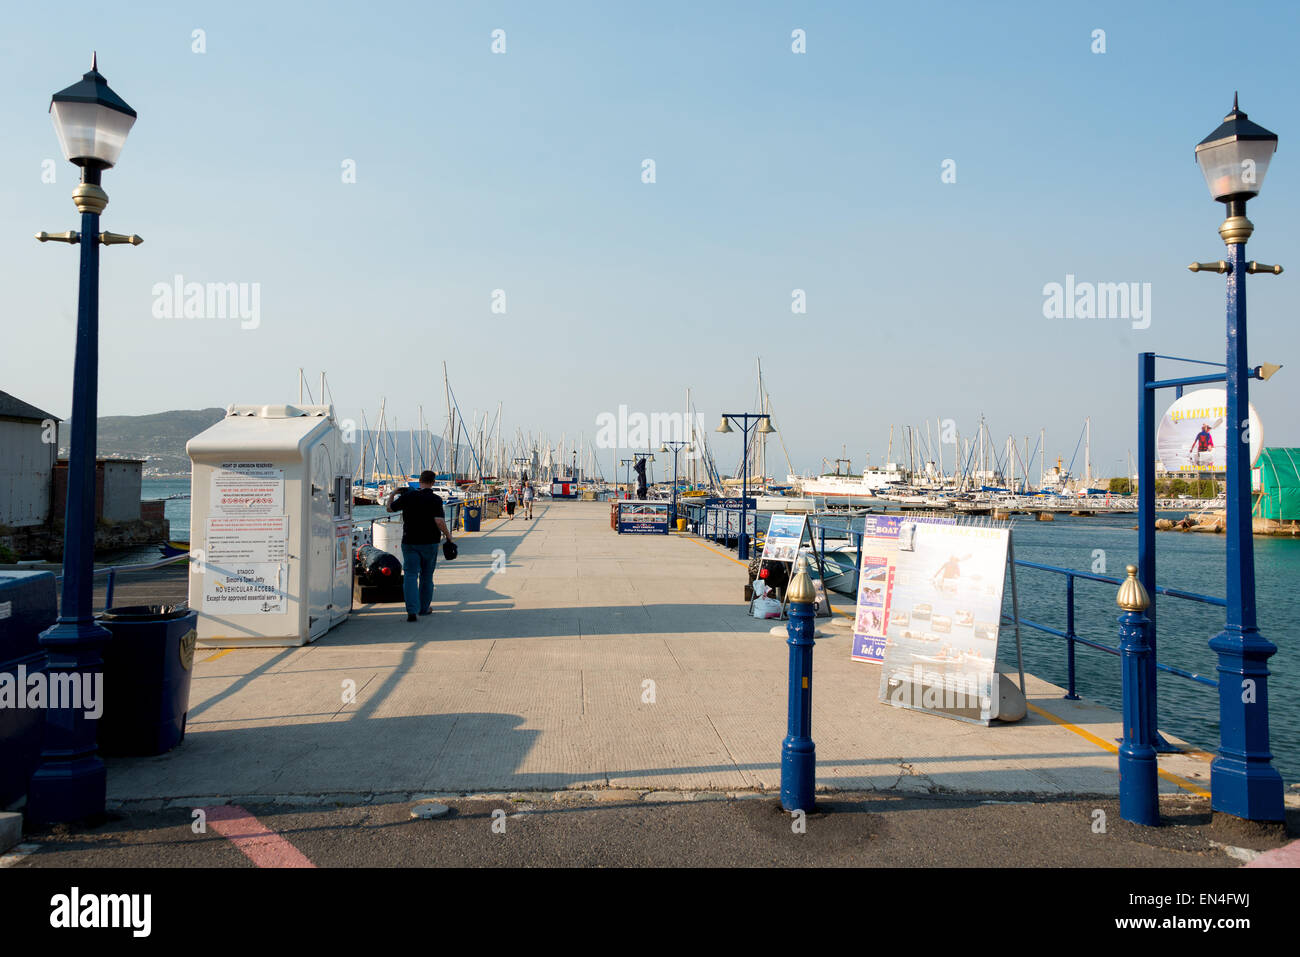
159	438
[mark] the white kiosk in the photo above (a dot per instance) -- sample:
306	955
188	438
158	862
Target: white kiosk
270	526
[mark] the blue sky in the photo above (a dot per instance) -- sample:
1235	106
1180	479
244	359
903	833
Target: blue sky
775	171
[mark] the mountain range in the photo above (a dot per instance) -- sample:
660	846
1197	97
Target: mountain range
159	438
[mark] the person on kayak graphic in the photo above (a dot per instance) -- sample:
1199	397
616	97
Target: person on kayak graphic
1202	446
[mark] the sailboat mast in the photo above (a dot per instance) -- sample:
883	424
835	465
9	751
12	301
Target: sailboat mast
1087	453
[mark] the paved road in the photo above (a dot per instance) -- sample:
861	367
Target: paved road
612	829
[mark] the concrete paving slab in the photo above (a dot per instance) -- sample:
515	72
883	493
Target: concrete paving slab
534	679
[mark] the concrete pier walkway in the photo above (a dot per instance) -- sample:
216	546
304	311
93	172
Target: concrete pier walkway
561	655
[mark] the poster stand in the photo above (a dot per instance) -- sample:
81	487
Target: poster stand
823	607
926	666
1015	604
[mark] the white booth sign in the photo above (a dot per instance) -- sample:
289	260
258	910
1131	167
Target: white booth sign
247	538
247	488
251	589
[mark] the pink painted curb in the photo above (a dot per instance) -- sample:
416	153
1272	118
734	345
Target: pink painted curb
258	843
1286	856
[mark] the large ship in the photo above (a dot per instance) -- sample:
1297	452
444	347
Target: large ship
872	483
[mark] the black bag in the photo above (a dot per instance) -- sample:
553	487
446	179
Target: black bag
450	551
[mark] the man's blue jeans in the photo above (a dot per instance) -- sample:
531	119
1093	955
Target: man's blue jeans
418	562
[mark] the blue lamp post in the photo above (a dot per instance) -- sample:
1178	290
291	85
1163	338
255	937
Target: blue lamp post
761	423
798	753
91	122
675	448
1243	781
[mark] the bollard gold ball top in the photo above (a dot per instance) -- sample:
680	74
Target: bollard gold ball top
1132	596
801	586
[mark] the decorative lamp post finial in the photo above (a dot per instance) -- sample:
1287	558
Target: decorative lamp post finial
1132	596
801	586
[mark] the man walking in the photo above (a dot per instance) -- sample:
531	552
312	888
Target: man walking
423	527
528	499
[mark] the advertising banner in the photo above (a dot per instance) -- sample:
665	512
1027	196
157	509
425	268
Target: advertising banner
877	560
643	518
1192	435
942	634
784	534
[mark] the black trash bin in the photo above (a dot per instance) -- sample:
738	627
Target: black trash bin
147	668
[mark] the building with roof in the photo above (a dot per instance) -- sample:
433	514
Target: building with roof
29	448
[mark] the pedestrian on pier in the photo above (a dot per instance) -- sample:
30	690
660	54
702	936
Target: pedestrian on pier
528	499
510	502
423	526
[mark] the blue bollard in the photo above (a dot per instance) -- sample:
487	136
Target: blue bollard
798	753
1138	794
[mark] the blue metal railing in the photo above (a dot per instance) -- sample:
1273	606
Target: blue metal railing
1072	638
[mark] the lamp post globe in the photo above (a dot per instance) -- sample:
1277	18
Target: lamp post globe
91	121
1235	157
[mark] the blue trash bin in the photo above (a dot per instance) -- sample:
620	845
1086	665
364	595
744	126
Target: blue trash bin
147	668
29	604
473	518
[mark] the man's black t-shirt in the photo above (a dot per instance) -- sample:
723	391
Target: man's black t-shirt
419	508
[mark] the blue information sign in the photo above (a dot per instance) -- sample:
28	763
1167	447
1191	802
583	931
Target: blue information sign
643	518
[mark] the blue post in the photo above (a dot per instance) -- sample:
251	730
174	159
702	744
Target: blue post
1138	794
742	543
70	782
672	511
1243	781
798	753
1147	514
1069	637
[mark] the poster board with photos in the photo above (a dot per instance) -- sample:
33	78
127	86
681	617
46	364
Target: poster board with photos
783	538
941	644
877	558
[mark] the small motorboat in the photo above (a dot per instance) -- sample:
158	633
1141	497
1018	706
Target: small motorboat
173	549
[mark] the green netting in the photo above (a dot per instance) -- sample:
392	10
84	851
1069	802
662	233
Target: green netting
1279	484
